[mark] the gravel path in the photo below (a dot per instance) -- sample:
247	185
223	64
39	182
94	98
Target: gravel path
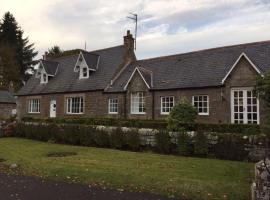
30	188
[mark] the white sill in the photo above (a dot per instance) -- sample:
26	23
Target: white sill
203	114
74	113
138	113
34	112
163	113
113	113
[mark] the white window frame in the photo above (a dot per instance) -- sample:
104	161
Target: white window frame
137	102
82	75
42	78
70	109
34	106
244	90
161	104
193	102
111	104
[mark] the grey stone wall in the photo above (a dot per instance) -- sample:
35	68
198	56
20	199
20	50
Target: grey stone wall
260	189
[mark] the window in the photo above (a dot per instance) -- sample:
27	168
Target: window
84	72
113	106
201	102
137	103
75	105
34	106
167	104
44	78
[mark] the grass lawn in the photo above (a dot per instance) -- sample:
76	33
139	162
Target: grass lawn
193	178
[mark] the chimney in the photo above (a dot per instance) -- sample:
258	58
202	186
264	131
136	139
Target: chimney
129	41
45	55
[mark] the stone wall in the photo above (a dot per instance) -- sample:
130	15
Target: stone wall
260	189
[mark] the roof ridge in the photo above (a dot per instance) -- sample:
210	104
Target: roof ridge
81	50
105	48
204	50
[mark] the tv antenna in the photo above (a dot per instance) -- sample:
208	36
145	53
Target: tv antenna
134	18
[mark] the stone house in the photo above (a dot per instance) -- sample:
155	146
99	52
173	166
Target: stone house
113	83
7	104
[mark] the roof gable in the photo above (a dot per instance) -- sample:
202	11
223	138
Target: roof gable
243	55
146	76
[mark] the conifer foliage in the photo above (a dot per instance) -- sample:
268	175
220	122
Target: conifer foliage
21	50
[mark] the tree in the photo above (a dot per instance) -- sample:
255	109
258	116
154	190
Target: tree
9	69
262	90
182	113
11	35
55	50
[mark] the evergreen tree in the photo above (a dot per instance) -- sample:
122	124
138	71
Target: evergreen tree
9	69
11	35
55	50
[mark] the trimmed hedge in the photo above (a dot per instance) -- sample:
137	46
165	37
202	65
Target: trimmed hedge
80	135
154	124
227	146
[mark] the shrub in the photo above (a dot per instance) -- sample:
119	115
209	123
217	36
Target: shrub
184	144
182	113
163	142
117	138
101	138
200	144
230	147
87	136
133	140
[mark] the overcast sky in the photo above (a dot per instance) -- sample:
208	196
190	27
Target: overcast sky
164	27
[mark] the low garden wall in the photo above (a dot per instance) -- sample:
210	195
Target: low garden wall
231	146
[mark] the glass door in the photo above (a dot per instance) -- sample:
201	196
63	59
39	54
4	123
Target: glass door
244	107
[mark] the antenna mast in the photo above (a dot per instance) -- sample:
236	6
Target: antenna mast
134	18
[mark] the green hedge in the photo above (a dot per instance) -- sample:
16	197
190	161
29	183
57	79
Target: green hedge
156	124
227	146
80	135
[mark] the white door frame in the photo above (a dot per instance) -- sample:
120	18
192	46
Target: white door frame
53	108
244	89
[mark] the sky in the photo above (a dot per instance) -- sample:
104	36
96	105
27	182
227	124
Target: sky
164	26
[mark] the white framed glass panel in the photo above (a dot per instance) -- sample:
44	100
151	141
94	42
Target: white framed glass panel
201	103
137	103
244	106
34	106
75	105
113	106
167	103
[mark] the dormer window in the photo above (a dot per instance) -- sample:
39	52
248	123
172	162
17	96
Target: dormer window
86	63
46	70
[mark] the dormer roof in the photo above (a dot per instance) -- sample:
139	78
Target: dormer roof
91	60
50	67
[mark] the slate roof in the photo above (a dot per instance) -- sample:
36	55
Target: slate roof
50	66
66	80
203	68
6	97
91	59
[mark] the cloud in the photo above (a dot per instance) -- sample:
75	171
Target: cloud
164	27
